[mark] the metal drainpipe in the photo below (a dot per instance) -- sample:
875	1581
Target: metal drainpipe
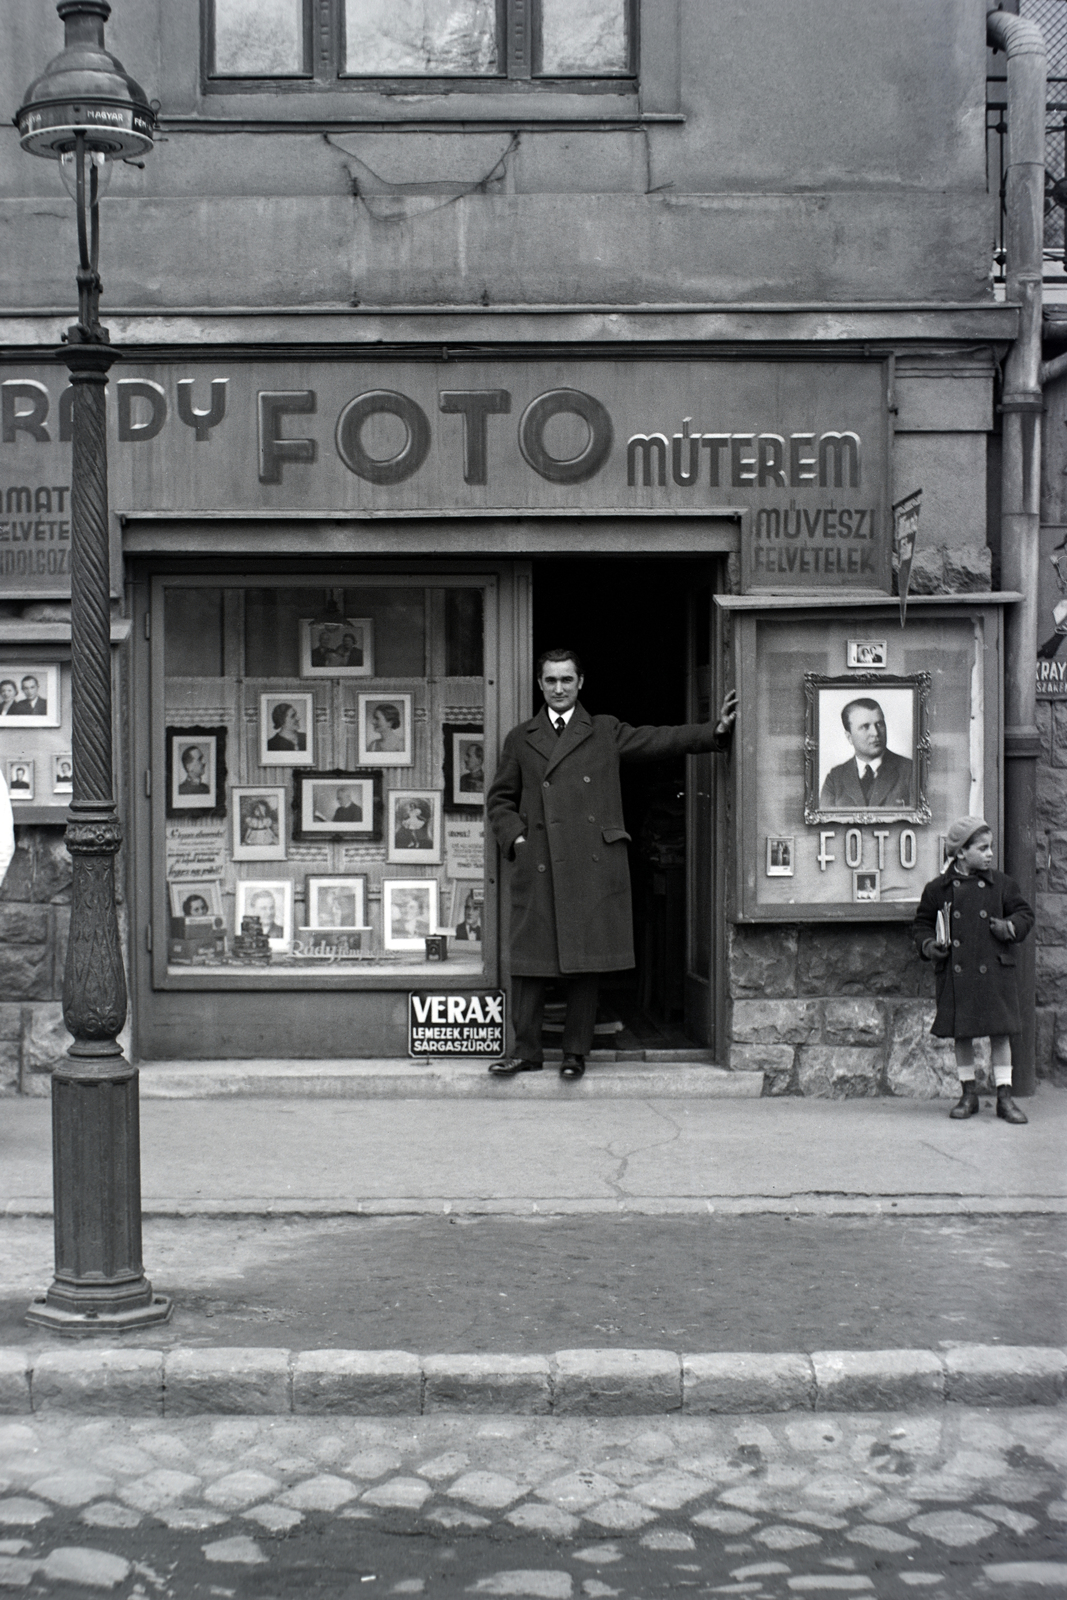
1020	521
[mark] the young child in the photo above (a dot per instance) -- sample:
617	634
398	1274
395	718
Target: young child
969	920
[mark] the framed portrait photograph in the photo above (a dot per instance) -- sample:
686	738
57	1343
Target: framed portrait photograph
337	805
468	906
870	655
286	730
866	748
413	826
19	774
866	884
199	898
409	912
339	902
270	901
781	855
29	695
196	772
343	649
385	730
464	766
258	822
62	772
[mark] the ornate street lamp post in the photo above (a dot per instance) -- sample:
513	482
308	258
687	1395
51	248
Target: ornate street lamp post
85	111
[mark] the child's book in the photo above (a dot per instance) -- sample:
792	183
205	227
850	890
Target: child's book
941	928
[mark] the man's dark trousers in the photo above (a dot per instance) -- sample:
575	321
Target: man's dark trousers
528	1010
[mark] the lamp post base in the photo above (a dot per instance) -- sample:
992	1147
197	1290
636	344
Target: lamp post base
59	1320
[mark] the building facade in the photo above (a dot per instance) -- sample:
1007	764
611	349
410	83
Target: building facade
451	331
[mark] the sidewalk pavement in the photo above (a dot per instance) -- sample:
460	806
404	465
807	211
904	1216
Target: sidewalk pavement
319	1157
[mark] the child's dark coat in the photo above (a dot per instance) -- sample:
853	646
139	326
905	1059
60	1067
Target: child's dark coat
976	989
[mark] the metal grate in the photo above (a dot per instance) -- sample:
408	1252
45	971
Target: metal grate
1051	18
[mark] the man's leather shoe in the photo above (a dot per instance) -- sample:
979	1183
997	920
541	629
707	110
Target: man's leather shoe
967	1105
514	1064
573	1067
1006	1107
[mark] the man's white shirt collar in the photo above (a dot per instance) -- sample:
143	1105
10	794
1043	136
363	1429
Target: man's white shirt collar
554	716
862	764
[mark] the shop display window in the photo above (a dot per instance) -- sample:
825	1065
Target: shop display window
321	751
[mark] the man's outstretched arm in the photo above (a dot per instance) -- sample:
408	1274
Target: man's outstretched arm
683	739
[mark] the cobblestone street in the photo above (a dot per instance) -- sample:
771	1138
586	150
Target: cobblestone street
942	1504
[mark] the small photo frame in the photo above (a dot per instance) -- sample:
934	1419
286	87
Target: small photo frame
258	823
464	766
62	772
196	772
270	901
409	912
781	855
869	655
385	730
866	884
339	902
19	774
468	909
343	649
337	805
197	898
29	695
413	826
286	730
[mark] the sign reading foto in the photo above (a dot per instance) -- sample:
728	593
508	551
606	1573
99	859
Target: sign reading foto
465	1022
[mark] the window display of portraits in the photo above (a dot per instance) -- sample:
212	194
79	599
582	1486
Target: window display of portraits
29	695
866	748
196	772
338	902
19	774
62	772
337	805
413	829
258	823
270	902
286	730
385	730
342	649
409	912
464	766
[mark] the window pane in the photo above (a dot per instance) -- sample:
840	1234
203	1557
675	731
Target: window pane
584	36
193	637
259	37
436	38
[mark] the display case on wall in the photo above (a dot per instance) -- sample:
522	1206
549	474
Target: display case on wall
317	778
860	742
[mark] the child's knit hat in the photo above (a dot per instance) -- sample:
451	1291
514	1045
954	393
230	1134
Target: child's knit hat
962	832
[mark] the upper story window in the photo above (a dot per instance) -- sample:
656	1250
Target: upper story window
337	43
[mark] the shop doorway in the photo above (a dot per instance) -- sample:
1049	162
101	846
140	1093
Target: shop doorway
644	630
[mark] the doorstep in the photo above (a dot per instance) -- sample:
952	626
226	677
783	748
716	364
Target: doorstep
609	1075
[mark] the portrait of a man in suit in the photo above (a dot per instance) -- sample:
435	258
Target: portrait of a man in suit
31	703
874	777
195	765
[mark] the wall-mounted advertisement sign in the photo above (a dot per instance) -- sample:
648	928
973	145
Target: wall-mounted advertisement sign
859	745
1052	616
797	449
457	1022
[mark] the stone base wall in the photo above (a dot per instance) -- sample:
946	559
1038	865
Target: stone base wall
1051	930
34	918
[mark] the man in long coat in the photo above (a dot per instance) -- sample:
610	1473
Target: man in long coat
555	807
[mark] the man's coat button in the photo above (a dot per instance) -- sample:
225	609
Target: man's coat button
956	942
957	915
546	784
957	967
596	858
586	779
983	913
982	969
541	868
592	819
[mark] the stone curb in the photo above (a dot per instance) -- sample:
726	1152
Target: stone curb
186	1381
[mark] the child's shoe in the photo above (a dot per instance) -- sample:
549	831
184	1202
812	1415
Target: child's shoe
967	1105
1006	1107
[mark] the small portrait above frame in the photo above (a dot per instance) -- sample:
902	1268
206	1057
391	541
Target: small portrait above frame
196	772
29	695
342	649
19	774
464	766
62	772
781	855
869	655
270	901
468	906
338	805
866	748
409	912
338	902
258	822
286	730
385	726
413	827
866	884
198	899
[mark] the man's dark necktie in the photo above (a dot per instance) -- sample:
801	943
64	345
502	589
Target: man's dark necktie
867	782
559	725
